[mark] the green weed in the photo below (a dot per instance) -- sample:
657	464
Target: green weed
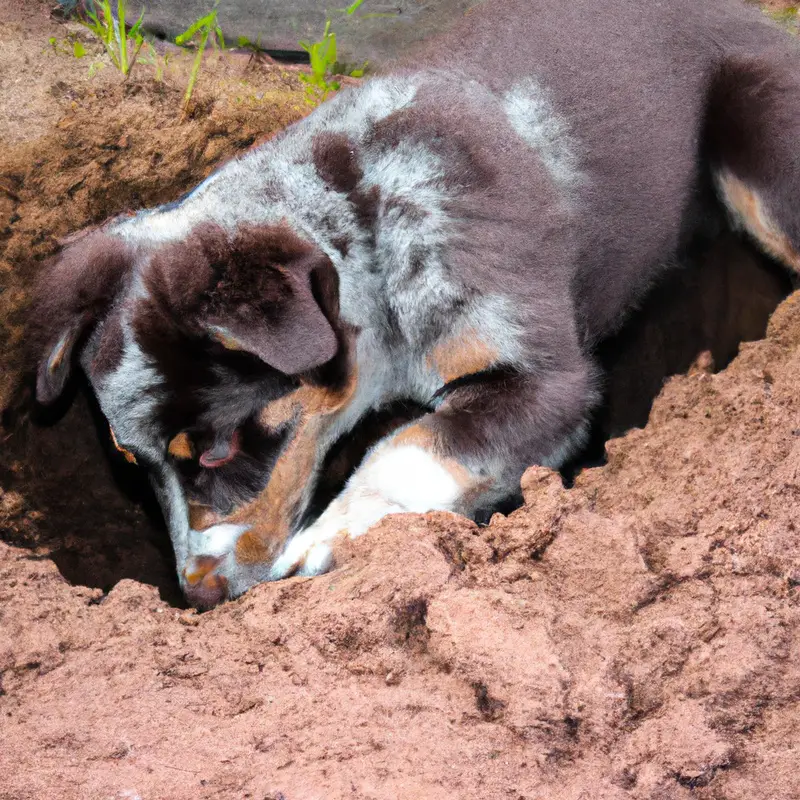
322	57
70	46
159	63
99	19
204	29
125	45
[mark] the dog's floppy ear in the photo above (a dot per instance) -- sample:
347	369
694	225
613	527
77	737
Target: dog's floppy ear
277	299
72	291
264	291
293	336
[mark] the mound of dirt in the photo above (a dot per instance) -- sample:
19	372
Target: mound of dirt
633	636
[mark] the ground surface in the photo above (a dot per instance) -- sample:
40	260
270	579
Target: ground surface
636	636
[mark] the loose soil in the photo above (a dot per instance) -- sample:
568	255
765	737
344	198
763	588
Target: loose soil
633	636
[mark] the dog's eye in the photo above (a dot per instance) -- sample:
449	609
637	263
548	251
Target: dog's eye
223	450
129	457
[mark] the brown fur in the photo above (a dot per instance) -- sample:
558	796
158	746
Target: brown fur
366	204
110	350
73	291
271	513
256	287
467	165
336	160
465	354
202	517
342	244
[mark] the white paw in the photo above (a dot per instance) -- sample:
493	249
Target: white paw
308	553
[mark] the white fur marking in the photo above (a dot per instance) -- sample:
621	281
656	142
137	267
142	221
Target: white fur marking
394	480
407	476
531	113
218	540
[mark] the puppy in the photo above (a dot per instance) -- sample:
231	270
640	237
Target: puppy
459	233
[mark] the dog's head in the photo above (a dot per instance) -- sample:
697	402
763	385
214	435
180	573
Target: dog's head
207	355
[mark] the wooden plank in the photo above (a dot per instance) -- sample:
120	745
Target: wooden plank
378	32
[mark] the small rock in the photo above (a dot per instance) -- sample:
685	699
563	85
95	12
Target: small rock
393	678
189	618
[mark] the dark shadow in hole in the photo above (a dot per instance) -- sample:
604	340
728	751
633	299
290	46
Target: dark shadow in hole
82	503
722	296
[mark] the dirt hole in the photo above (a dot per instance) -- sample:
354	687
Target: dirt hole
70	495
695	318
67	494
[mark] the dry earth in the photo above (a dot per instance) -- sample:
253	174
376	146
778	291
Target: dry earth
634	636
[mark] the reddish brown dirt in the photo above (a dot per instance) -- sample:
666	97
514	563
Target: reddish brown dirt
635	636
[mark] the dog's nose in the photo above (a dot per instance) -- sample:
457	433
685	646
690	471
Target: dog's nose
203	586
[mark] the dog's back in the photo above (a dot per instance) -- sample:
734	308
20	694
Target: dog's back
626	84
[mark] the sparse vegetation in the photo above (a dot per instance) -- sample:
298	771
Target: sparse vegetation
204	29
323	60
112	32
127	47
124	45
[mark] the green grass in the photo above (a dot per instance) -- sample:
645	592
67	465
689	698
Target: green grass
204	29
124	46
121	44
323	59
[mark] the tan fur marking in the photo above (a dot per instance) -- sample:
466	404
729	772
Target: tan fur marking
256	545
181	447
228	342
278	413
129	457
58	356
419	435
750	210
465	354
202	517
313	406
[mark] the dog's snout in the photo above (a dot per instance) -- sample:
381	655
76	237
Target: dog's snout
204	587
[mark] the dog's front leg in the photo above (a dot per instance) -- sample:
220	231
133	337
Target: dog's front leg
467	455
